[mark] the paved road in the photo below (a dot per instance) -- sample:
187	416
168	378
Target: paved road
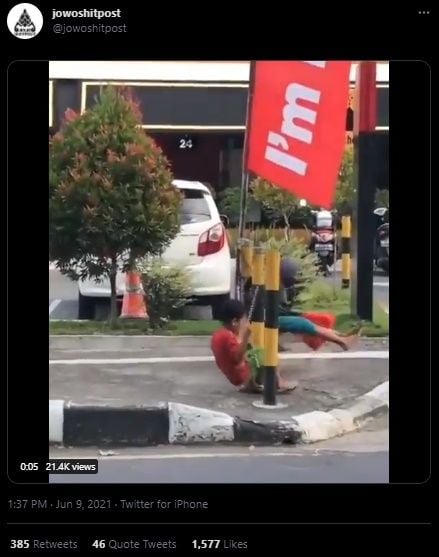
356	458
296	468
63	294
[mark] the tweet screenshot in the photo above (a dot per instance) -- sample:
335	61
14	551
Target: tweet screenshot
229	369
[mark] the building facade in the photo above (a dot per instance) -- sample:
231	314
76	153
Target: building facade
194	110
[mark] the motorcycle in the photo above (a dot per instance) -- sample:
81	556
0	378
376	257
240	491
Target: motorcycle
382	248
323	240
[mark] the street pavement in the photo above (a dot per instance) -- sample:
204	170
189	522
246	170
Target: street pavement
131	377
63	293
102	376
360	457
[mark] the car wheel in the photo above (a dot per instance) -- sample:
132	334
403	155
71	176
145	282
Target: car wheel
217	303
86	307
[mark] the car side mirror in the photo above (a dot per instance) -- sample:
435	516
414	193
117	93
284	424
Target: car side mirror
225	220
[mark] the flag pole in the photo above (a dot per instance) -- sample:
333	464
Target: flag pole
239	286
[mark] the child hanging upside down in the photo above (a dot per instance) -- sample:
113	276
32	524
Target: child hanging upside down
241	364
315	335
314	329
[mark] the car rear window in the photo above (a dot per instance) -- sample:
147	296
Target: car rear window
194	207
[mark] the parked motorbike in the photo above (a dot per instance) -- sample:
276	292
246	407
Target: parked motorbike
323	240
382	248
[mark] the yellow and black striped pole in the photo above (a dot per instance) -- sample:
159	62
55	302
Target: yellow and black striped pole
246	258
345	251
271	334
258	281
246	271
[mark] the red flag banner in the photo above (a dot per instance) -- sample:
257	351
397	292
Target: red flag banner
297	126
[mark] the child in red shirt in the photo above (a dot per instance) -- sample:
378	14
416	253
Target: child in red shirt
230	345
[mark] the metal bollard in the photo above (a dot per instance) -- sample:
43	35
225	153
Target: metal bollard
244	261
345	251
247	254
271	333
258	281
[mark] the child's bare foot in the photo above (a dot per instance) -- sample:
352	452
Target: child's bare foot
284	387
349	341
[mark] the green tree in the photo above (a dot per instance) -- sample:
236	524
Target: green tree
277	202
111	198
229	203
345	191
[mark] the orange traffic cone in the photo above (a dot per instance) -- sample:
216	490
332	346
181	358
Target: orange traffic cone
133	305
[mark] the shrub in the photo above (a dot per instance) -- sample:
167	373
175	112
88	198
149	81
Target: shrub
323	295
229	202
306	260
166	289
259	235
345	190
277	202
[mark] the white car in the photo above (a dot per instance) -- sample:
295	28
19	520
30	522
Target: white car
201	247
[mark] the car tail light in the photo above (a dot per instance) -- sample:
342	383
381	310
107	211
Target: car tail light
211	241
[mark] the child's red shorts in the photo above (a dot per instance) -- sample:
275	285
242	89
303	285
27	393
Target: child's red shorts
326	320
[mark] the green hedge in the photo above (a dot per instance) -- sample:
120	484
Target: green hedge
264	234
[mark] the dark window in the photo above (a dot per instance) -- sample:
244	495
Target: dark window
349	120
203	106
187	106
383	106
382	110
194	207
67	94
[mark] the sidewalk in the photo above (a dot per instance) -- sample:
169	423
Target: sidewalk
323	384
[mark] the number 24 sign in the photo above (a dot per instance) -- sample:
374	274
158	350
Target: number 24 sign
185	143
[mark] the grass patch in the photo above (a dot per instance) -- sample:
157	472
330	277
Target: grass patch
379	328
127	327
323	297
345	322
202	327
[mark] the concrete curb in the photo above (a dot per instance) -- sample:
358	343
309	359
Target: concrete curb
175	423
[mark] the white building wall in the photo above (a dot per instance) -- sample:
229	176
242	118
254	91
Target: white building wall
167	71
